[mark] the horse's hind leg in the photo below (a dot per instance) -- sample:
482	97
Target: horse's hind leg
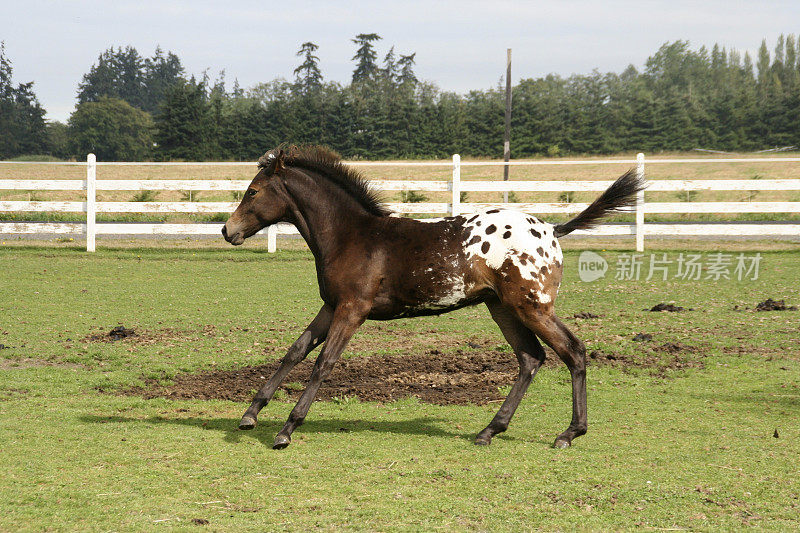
572	351
312	337
530	355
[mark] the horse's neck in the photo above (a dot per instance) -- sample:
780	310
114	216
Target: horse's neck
324	216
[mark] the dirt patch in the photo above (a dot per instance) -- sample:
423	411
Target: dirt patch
463	377
433	378
585	315
653	358
116	334
143	337
774	305
642	337
672	308
120	332
675	347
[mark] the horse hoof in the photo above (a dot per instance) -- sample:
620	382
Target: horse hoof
247	422
281	442
483	441
561	443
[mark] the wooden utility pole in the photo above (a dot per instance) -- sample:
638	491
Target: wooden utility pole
507	136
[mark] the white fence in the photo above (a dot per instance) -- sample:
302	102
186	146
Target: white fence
91	228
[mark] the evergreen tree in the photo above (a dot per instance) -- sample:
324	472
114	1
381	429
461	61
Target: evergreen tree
791	76
22	126
407	78
366	68
763	64
117	74
181	127
684	98
101	80
779	57
161	72
308	77
389	71
124	74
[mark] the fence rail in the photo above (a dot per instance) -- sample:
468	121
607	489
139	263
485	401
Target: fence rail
455	186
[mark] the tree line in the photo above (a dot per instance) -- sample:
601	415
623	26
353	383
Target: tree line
22	124
134	108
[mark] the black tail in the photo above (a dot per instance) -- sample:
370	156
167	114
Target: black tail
622	193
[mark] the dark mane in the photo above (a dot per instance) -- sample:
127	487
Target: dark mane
329	164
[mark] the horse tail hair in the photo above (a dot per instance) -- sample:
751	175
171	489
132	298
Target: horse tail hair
621	193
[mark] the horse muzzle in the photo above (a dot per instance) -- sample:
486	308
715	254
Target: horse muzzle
235	239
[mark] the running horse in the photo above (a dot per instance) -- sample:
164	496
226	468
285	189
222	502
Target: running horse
371	265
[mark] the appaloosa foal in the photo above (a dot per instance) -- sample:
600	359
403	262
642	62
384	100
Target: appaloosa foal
374	266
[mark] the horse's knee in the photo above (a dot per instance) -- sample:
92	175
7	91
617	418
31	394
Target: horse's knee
575	358
580	358
527	363
578	348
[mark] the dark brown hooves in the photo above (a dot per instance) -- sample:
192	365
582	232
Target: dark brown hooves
561	443
281	442
483	440
247	422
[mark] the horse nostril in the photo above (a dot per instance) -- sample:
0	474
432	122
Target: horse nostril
225	231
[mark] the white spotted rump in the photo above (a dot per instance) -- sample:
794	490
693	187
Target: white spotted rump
501	235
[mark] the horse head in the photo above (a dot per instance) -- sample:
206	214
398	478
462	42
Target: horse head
264	203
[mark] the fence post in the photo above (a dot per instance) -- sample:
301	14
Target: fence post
640	205
91	198
455	186
272	238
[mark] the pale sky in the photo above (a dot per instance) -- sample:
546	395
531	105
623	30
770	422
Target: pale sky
460	45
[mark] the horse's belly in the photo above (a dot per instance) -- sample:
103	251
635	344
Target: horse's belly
428	296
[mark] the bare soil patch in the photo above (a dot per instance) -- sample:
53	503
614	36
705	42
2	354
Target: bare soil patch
463	377
144	337
116	334
659	359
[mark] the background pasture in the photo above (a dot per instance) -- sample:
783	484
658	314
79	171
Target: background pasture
755	170
669	446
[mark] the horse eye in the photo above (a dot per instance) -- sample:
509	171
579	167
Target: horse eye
251	192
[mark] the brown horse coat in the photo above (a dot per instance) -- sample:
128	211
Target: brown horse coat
371	265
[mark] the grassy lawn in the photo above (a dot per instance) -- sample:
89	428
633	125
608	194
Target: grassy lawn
688	447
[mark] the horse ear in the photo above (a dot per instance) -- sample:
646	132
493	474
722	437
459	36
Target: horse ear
272	162
279	161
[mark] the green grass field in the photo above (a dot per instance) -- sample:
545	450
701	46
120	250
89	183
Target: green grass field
668	448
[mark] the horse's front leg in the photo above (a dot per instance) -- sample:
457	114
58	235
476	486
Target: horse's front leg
312	337
346	320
